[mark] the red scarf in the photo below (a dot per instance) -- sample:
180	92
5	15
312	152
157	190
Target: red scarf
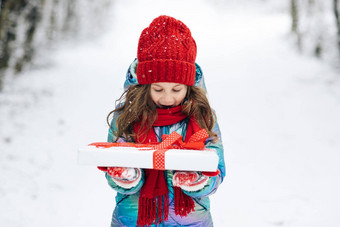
153	204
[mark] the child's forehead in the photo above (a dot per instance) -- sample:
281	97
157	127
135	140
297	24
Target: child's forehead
167	84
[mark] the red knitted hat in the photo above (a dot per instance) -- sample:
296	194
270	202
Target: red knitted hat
166	53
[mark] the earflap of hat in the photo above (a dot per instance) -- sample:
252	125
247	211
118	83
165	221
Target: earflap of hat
131	76
199	78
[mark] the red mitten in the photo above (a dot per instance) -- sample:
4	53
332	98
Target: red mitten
190	181
125	177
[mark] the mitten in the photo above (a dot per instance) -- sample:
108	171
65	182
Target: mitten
189	181
125	177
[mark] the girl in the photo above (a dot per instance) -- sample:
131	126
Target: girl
164	92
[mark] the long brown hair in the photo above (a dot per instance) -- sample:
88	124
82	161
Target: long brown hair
136	105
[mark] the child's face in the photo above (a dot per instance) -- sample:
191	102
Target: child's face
167	95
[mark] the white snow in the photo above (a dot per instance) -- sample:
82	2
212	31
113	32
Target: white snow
277	111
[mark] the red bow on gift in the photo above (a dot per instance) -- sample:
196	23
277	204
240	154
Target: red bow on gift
173	141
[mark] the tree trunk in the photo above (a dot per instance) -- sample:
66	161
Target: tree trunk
337	20
294	16
294	12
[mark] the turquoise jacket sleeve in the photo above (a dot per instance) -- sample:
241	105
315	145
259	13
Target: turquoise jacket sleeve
213	182
112	138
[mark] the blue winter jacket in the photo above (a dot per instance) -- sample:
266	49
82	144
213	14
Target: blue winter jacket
125	212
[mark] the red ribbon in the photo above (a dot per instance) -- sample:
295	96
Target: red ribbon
172	141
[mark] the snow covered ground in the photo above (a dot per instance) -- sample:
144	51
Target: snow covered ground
277	111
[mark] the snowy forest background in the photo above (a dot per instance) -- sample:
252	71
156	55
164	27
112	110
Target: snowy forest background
28	27
272	71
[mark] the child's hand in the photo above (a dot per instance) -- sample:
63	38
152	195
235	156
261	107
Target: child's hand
125	177
189	181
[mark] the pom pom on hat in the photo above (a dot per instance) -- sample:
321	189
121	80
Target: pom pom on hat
166	53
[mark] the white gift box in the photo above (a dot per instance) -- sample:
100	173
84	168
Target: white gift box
174	159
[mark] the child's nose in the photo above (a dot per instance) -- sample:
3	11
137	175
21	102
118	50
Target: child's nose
167	100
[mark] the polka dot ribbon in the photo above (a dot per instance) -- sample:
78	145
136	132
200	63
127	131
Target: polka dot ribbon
174	141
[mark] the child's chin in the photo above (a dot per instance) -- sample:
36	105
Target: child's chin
165	107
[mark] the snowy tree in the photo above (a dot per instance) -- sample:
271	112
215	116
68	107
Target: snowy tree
316	28
28	26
